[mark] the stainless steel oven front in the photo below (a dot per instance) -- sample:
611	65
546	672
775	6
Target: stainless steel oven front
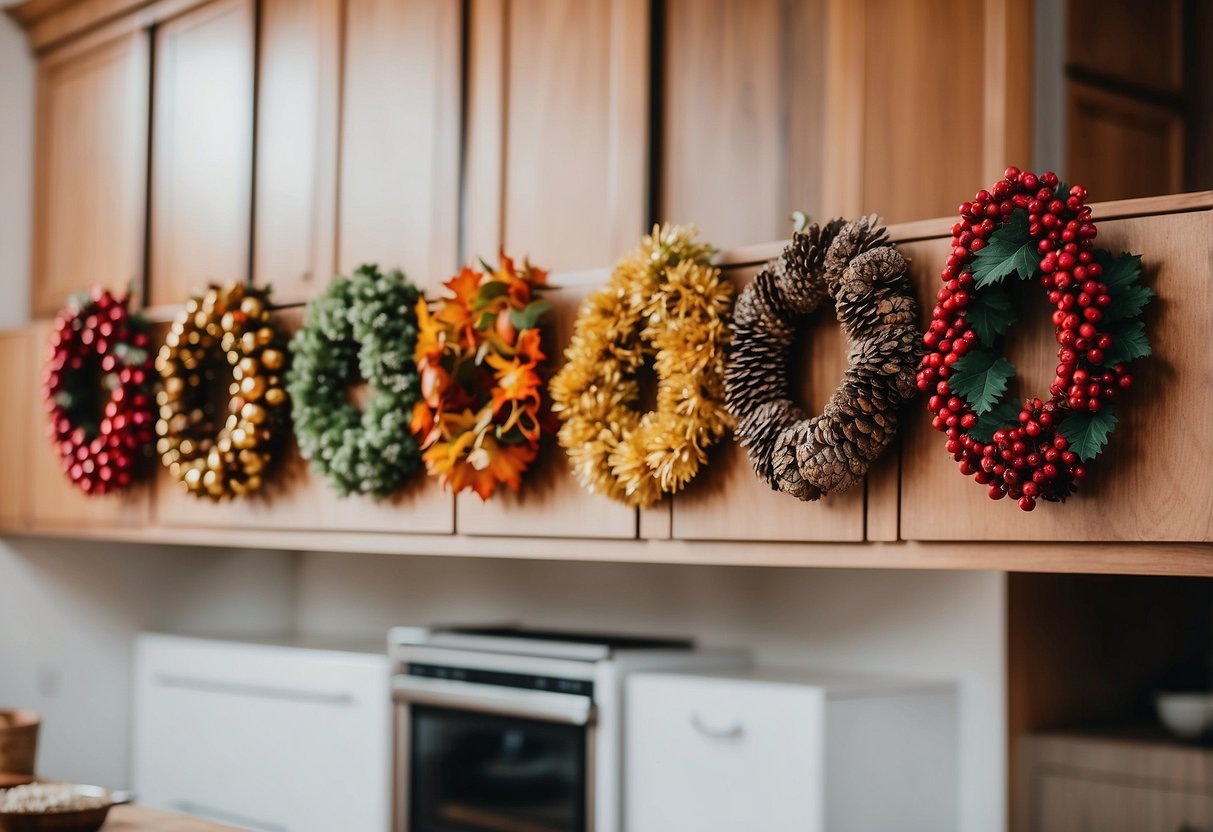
489	742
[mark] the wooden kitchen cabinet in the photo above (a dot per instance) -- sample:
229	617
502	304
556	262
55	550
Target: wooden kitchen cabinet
293	498
557	130
551	503
400	138
54	500
1090	783
1122	146
836	108
16	357
202	150
298	102
1148	484
726	501
90	170
743	85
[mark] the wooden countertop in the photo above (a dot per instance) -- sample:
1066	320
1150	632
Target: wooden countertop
142	819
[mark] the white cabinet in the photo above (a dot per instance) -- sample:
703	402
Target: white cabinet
787	751
264	737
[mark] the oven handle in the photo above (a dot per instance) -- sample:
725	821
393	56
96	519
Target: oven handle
548	706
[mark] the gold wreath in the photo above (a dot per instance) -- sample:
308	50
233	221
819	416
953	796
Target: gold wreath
227	462
664	303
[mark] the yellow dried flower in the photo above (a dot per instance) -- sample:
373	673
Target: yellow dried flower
667	304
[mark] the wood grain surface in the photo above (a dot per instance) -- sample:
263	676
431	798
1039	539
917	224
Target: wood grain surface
142	819
90	169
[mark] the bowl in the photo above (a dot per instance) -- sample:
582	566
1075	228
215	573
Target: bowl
1187	715
83	820
18	741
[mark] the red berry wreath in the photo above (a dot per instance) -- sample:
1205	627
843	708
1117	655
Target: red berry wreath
1027	226
97	387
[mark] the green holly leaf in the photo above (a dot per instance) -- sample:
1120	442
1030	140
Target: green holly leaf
1128	303
1129	341
990	314
981	377
485	321
1002	415
528	318
1088	432
1119	272
1009	250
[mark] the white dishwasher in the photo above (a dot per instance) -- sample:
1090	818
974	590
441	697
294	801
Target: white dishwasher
268	737
789	751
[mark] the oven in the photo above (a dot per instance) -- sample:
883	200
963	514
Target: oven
481	748
508	729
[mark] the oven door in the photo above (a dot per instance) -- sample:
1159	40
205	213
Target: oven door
473	757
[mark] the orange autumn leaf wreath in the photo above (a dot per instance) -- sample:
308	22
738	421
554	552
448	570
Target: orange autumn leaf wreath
478	352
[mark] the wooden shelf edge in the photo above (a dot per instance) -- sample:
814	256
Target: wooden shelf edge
937	227
1179	559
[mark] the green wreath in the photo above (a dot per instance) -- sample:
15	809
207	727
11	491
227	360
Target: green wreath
364	327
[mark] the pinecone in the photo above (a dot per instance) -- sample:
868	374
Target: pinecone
799	270
852	240
789	473
881	358
864	415
874	291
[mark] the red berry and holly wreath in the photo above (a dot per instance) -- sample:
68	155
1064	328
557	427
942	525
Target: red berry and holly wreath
1027	227
97	385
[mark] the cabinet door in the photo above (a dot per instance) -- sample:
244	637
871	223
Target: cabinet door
1143	487
557	131
728	502
16	358
722	755
1073	803
55	502
295	224
202	150
293	498
743	95
551	503
400	137
91	170
218	733
826	106
1122	147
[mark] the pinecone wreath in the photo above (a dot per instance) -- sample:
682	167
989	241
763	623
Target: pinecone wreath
853	264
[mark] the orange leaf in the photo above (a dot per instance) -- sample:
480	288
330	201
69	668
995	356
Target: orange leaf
422	421
529	347
464	286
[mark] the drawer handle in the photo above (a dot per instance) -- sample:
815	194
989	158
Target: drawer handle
731	731
313	697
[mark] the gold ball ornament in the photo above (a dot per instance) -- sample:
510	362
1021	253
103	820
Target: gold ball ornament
228	332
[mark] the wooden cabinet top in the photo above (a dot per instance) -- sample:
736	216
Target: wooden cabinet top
142	819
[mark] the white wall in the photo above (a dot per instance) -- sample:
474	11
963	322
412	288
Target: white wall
68	616
937	624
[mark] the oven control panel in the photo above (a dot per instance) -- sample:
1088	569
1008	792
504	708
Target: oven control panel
525	681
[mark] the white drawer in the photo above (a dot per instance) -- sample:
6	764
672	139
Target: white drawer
275	739
778	751
723	755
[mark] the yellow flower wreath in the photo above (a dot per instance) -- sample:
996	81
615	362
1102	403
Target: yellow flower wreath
664	303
